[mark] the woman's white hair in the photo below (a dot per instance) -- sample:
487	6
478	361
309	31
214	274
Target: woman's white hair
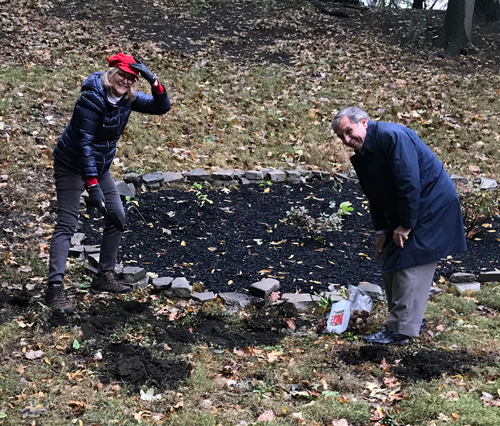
106	77
354	114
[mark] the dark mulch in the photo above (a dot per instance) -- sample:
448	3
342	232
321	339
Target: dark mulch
241	239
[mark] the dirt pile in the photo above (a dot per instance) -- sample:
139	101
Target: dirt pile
136	367
424	364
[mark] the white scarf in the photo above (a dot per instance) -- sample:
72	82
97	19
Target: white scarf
112	99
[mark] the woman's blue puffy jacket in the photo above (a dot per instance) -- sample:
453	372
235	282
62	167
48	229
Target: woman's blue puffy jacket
88	144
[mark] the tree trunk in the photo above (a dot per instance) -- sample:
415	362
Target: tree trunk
456	35
418	4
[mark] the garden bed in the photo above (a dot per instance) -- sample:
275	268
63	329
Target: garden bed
240	238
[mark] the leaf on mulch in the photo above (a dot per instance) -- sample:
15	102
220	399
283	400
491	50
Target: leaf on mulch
34	354
266	416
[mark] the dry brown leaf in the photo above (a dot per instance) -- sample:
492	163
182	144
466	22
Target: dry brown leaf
290	323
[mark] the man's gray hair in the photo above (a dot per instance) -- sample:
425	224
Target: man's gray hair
353	113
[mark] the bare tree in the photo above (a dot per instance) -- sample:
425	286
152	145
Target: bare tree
456	35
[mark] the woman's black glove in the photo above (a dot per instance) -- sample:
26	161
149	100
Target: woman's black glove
96	197
143	70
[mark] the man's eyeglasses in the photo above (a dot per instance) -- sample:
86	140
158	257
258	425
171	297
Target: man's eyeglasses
128	77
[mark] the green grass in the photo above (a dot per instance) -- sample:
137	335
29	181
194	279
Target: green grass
489	295
427	402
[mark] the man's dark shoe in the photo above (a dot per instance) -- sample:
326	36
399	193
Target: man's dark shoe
380	334
55	298
108	282
391	338
423	327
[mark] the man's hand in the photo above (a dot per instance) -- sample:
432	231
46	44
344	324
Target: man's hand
400	236
380	244
144	71
96	197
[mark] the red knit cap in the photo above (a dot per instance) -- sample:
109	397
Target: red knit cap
122	61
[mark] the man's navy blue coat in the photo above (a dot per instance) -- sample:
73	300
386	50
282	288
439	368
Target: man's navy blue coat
407	185
88	144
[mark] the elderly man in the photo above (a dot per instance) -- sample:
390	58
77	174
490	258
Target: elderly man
415	211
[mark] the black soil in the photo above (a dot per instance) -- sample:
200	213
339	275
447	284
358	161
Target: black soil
423	364
136	367
241	239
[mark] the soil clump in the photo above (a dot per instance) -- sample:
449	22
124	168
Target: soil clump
412	366
136	367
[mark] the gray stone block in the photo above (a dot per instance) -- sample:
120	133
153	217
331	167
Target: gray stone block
119	270
173	177
487	183
462	277
162	283
90	270
372	290
76	251
239	174
153	186
133	178
489	277
237	300
143	282
265	287
180	289
276	175
322	175
254	175
132	274
223	175
435	290
93	259
77	238
245	181
150	179
333	296
198	175
463	287
226	183
301	301
293	174
458	179
125	189
203	297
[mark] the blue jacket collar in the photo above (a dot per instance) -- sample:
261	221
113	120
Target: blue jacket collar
371	135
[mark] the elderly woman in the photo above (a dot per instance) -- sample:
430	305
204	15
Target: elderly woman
82	158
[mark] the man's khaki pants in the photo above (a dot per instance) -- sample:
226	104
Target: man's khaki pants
407	291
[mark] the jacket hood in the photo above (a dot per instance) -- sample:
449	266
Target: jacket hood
94	82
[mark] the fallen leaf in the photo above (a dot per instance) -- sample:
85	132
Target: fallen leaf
34	354
266	416
290	323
